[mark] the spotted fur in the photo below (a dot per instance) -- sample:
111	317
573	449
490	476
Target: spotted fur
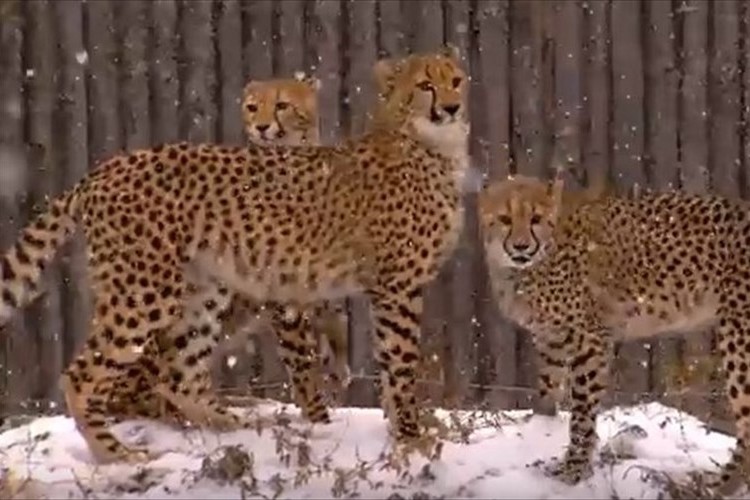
583	274
377	214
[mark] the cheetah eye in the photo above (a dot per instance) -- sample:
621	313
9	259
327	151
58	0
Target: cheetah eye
505	220
281	105
456	81
425	85
251	108
536	219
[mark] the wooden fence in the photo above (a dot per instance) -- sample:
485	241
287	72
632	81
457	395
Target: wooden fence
654	93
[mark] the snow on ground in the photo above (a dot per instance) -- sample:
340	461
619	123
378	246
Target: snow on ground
48	458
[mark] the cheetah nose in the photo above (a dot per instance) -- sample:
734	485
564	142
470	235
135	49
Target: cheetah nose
451	109
521	247
262	128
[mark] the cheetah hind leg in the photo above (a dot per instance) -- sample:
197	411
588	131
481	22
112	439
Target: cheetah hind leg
330	324
138	400
87	404
186	381
734	335
589	376
297	348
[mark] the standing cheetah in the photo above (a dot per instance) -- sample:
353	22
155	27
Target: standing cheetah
281	111
377	214
285	111
582	274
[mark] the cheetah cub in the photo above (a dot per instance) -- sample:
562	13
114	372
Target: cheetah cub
580	275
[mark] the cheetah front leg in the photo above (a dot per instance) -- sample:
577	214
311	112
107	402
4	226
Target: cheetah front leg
396	317
297	348
330	325
589	367
186	381
552	356
734	343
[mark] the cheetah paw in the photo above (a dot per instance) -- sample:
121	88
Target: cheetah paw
568	471
711	485
225	422
427	445
135	455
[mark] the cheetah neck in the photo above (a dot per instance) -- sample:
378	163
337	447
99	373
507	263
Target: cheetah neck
449	140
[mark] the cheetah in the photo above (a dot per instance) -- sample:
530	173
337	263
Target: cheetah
283	111
377	214
581	274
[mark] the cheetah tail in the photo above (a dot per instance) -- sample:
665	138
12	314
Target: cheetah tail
22	265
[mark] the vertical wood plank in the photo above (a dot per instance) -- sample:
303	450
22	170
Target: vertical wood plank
361	57
102	82
165	85
456	22
568	25
724	93
460	360
132	18
71	126
327	15
527	88
596	151
197	111
662	97
631	366
290	46
426	29
491	139
693	105
258	60
392	39
12	151
229	33
45	313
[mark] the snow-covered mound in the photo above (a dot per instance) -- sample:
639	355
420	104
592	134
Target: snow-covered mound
47	458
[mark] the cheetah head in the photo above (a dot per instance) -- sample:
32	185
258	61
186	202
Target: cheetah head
427	91
517	218
281	111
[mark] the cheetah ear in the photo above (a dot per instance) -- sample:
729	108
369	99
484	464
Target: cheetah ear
385	71
310	80
487	198
450	50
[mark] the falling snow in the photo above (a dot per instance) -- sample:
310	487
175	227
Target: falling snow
82	57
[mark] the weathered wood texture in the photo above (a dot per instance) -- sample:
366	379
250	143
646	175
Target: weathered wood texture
653	93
